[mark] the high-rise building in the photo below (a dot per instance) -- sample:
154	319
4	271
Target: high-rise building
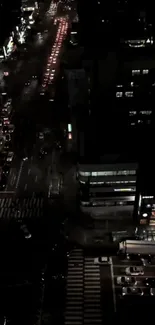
118	42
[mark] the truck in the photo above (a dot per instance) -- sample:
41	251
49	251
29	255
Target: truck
137	247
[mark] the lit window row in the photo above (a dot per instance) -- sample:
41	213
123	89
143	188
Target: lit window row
127	94
108	173
137	72
132	113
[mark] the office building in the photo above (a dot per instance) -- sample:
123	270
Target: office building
109	189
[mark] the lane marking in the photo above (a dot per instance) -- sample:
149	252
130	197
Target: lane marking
25	187
12	181
36	178
29	171
139	276
129	265
19	174
135	285
113	285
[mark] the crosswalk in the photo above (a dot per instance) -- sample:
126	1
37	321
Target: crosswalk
17	208
92	293
83	291
74	289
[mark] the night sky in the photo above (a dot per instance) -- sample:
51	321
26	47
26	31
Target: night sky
9	13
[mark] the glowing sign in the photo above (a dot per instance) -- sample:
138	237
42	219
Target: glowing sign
9	46
69	128
70	136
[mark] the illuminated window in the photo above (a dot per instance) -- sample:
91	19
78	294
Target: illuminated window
132	113
124	189
146	112
108	173
135	72
119	94
145	71
129	93
87	174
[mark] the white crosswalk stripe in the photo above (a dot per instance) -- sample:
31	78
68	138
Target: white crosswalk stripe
92	293
27	208
83	291
74	289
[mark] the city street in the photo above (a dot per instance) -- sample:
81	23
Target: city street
32	114
86	277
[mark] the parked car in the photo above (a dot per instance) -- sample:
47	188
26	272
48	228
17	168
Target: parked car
125	280
10	156
41	136
26	232
149	282
135	291
102	260
134	270
152	291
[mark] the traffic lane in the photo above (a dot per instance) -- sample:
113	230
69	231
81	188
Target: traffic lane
108	307
148	271
33	177
30	90
133	260
28	67
14	173
125	262
16	85
131	303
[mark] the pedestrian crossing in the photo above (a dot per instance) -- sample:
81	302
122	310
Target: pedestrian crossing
74	289
17	208
92	293
83	291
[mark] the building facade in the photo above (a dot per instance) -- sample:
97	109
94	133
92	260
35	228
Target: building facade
107	190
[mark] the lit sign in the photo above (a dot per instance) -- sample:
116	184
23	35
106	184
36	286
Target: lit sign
70	136
69	128
9	46
28	8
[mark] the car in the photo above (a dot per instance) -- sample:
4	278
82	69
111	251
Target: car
25	158
10	156
149	282
3	181
7	145
54	188
11	128
1	140
146	261
125	280
134	270
5	169
27	83
7	137
41	136
152	291
6	121
135	291
26	232
102	260
5	129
